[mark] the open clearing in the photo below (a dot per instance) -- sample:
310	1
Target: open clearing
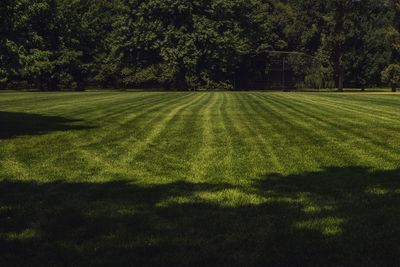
279	179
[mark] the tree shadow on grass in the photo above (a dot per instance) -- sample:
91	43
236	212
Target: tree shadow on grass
336	217
14	124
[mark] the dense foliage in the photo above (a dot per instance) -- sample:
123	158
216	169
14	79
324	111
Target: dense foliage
186	44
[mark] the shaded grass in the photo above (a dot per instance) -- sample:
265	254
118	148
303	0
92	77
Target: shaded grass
199	179
14	124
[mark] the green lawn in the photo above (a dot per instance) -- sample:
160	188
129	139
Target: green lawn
192	179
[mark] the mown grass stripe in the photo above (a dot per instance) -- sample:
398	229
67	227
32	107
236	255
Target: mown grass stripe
175	147
260	131
249	178
346	129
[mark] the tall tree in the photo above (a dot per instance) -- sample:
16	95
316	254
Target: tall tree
187	44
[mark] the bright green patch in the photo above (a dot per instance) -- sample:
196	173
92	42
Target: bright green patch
105	178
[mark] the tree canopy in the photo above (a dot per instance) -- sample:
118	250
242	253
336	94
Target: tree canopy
189	44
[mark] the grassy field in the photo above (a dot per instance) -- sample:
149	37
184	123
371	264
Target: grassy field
192	179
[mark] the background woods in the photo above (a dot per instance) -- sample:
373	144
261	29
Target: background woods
189	44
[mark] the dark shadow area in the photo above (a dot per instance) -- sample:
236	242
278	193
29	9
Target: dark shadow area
14	124
336	217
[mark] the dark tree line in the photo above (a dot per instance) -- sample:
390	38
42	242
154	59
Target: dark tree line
189	44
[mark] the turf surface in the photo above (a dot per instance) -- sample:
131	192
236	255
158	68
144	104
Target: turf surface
191	179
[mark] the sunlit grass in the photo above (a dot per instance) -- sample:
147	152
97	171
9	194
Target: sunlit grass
103	178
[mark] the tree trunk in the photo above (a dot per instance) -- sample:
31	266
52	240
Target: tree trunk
338	67
340	80
180	81
340	9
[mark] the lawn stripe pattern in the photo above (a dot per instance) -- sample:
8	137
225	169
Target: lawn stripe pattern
199	178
